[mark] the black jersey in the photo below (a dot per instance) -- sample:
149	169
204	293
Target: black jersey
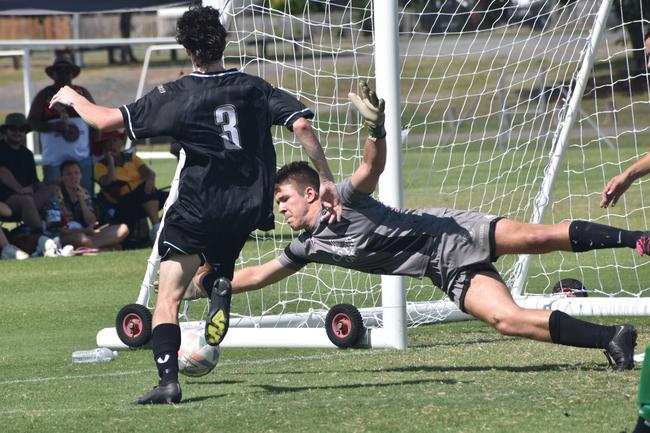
222	120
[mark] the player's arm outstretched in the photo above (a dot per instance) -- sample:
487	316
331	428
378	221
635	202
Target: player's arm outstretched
328	194
366	176
95	115
251	277
621	182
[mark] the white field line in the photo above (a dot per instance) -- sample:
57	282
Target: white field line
151	370
126	373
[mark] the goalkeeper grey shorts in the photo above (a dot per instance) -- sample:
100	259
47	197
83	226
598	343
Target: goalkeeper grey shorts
463	249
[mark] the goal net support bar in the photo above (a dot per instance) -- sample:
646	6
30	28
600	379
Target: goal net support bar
282	331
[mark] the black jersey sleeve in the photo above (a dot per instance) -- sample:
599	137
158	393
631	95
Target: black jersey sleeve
286	109
152	115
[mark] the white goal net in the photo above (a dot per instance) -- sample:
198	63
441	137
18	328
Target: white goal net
523	109
485	90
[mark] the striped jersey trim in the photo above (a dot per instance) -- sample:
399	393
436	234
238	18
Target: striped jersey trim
218	74
128	118
304	110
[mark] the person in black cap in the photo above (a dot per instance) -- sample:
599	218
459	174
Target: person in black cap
64	135
20	188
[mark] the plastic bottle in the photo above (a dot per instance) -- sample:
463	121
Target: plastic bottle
100	354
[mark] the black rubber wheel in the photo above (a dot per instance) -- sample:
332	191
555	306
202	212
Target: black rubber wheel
344	325
571	288
133	324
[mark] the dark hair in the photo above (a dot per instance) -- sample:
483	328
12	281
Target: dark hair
300	173
200	31
68	163
647	35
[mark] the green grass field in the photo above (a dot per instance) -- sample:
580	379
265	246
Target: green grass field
459	377
455	377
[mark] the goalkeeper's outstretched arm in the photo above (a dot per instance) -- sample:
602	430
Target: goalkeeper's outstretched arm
366	176
252	277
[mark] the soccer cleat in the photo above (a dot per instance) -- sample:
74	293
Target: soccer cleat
620	350
162	394
643	245
14	253
216	324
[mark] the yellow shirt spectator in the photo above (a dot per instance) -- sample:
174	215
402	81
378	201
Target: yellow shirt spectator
127	170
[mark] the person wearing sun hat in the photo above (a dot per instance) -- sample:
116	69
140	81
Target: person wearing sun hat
63	134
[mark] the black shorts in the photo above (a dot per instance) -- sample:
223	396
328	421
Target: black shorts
128	208
218	246
6	193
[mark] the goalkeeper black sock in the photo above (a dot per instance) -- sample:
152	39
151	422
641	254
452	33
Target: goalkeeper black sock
587	236
166	340
570	331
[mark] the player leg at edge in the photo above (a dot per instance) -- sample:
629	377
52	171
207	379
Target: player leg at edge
643	397
488	299
175	274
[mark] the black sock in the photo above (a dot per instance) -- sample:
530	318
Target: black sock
166	340
587	236
570	331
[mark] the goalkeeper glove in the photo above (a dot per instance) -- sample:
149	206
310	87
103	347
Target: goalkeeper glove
372	110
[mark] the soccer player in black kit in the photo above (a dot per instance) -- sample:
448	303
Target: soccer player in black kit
222	119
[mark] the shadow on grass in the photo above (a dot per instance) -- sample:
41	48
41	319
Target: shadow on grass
286	389
215	382
587	367
506	368
496	339
202	398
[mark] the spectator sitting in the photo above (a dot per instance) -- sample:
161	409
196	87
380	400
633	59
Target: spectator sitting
127	183
79	218
9	251
63	134
20	188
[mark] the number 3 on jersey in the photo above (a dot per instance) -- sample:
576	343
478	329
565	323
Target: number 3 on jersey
225	117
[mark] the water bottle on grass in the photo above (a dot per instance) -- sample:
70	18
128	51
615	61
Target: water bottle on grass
101	354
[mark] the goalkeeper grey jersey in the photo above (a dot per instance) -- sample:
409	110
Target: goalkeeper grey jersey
374	238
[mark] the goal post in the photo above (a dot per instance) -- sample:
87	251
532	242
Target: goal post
561	136
521	112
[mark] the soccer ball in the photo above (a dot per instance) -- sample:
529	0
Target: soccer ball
196	357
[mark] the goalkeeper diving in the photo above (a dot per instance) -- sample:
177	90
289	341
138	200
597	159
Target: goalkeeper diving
455	249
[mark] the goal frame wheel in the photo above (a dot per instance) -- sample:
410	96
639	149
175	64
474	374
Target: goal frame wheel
571	288
344	325
133	325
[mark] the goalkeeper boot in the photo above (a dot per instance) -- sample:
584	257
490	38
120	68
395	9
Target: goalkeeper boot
643	245
620	350
162	394
216	324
